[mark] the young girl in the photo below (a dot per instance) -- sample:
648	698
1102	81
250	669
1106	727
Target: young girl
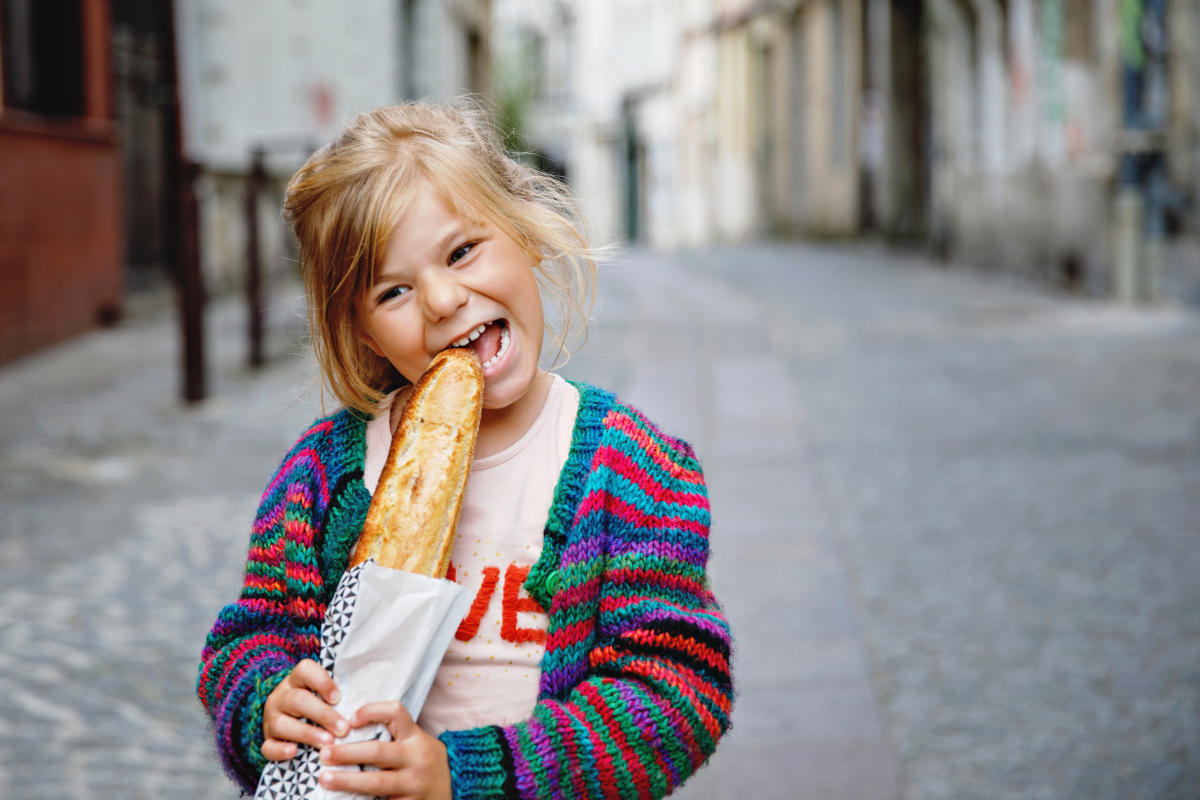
595	660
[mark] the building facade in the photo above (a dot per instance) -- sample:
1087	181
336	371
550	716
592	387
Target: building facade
281	77
1057	138
61	232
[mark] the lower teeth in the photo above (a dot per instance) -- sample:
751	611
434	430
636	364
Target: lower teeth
500	351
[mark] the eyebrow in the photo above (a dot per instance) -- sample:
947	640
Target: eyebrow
457	230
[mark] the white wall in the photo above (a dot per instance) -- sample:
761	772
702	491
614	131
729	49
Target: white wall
274	70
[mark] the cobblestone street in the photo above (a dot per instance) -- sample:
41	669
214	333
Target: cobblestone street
955	528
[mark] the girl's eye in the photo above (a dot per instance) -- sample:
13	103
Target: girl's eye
460	252
395	291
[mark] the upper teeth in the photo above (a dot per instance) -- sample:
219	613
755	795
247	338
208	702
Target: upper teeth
470	337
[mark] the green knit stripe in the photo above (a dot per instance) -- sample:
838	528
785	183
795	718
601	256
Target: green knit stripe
476	760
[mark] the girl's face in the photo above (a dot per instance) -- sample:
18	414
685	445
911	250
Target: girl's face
448	282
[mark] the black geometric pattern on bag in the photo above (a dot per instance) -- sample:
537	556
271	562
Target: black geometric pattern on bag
338	616
296	778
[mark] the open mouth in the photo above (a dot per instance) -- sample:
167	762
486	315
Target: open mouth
489	341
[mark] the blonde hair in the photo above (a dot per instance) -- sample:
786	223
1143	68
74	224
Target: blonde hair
346	200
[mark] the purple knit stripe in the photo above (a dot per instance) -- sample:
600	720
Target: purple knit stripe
660	548
538	735
306	459
583	550
270	517
638	614
557	680
525	779
565	724
707	623
644	719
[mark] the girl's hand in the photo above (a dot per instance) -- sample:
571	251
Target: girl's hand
307	693
412	765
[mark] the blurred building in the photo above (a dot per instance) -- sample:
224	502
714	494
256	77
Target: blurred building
279	77
1054	137
1047	119
689	122
61	240
104	102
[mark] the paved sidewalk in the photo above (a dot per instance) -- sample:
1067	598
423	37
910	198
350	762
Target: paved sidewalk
955	528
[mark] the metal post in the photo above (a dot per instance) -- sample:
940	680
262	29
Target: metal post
1141	189
191	285
254	305
1154	34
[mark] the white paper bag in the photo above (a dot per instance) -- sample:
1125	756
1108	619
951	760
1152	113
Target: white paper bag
383	638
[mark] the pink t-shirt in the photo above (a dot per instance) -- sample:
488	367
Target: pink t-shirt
490	673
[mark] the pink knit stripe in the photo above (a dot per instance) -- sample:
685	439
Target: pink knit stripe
602	760
305	573
566	723
300	531
264	583
681	727
574	595
651	446
569	635
620	463
678	677
679	447
235	656
303	460
271	554
653	577
649	729
601	500
628	752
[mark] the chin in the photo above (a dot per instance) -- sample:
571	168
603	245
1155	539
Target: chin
508	390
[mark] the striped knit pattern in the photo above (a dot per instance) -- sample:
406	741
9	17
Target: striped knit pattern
635	689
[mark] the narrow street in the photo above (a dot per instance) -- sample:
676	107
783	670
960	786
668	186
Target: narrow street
955	527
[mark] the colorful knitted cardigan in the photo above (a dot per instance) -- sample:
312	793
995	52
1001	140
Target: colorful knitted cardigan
635	688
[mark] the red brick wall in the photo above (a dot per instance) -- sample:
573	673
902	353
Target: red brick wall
61	226
61	254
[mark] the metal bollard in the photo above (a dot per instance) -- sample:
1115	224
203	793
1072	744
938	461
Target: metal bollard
255	178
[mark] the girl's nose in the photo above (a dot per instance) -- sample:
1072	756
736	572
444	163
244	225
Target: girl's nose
442	295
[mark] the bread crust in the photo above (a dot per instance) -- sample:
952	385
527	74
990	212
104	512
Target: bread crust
414	512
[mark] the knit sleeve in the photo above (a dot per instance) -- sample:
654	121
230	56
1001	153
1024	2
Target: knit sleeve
636	680
276	620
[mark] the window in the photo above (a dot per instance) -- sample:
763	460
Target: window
42	48
1077	36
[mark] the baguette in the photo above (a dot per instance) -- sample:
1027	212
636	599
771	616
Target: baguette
413	514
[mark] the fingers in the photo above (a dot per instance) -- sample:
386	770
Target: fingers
373	783
308	674
393	715
276	750
301	704
415	765
299	710
291	729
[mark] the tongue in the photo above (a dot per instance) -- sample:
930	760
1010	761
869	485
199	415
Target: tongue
488	343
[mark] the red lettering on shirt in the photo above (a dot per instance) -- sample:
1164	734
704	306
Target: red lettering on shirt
514	580
470	624
513	603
